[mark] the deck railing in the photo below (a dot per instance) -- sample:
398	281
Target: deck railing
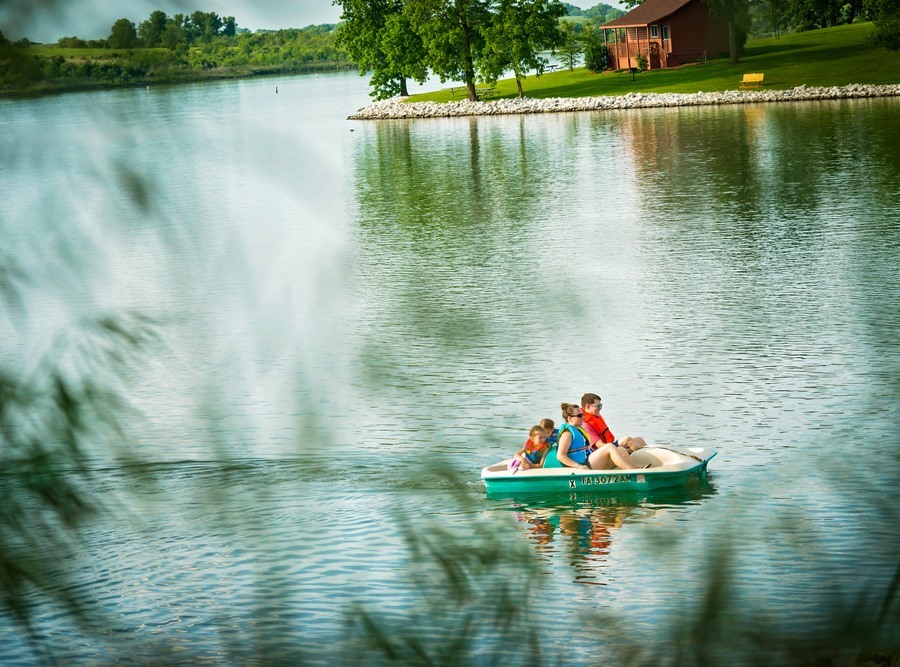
625	55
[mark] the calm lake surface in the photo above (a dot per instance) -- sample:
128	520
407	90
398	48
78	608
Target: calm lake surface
357	317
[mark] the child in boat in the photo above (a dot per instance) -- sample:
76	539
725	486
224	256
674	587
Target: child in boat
552	433
534	452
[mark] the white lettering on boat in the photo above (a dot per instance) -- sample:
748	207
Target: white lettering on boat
587	480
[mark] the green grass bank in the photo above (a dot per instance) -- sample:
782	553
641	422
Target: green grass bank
829	57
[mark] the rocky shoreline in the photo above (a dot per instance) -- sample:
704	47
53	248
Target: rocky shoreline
396	108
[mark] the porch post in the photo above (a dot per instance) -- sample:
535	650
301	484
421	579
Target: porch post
605	41
627	49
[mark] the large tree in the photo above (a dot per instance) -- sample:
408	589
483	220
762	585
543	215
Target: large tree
570	46
453	33
735	14
519	32
229	26
596	54
404	54
811	14
151	30
123	35
205	26
886	15
379	38
776	12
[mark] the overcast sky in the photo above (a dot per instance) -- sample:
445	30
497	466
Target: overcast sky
48	20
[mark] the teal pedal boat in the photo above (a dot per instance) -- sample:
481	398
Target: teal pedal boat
666	468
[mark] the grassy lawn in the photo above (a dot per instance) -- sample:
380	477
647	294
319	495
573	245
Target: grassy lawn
51	50
828	57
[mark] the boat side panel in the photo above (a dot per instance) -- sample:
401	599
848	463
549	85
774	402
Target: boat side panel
631	480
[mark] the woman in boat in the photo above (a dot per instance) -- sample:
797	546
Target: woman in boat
575	450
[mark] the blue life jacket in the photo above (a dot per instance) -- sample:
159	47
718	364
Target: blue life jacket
581	444
534	456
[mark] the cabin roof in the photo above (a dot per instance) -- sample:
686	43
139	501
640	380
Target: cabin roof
649	11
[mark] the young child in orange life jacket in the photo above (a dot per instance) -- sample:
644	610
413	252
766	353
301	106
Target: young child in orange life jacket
534	452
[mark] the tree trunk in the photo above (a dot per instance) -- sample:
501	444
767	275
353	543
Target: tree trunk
519	86
469	70
404	92
732	42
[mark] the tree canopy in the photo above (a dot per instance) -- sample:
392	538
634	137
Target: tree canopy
519	32
379	39
886	14
571	47
453	32
463	40
123	35
151	31
735	13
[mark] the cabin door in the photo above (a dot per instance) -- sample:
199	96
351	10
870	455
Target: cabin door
654	55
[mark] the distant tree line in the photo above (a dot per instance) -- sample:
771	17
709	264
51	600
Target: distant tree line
778	16
164	48
598	14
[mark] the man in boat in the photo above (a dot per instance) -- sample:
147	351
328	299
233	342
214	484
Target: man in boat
598	431
575	450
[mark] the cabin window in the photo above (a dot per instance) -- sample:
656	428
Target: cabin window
665	32
654	31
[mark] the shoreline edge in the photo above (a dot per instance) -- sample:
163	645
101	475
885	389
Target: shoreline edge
396	108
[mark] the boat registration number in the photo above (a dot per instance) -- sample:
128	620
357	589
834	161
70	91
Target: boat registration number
590	480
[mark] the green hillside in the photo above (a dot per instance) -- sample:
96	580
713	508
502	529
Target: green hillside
828	57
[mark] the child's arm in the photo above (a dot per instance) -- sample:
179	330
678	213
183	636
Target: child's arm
545	450
524	463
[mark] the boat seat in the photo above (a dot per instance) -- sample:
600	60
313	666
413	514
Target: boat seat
551	461
642	457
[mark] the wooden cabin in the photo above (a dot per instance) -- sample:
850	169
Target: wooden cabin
668	32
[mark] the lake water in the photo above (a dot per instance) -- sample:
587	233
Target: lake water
353	318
